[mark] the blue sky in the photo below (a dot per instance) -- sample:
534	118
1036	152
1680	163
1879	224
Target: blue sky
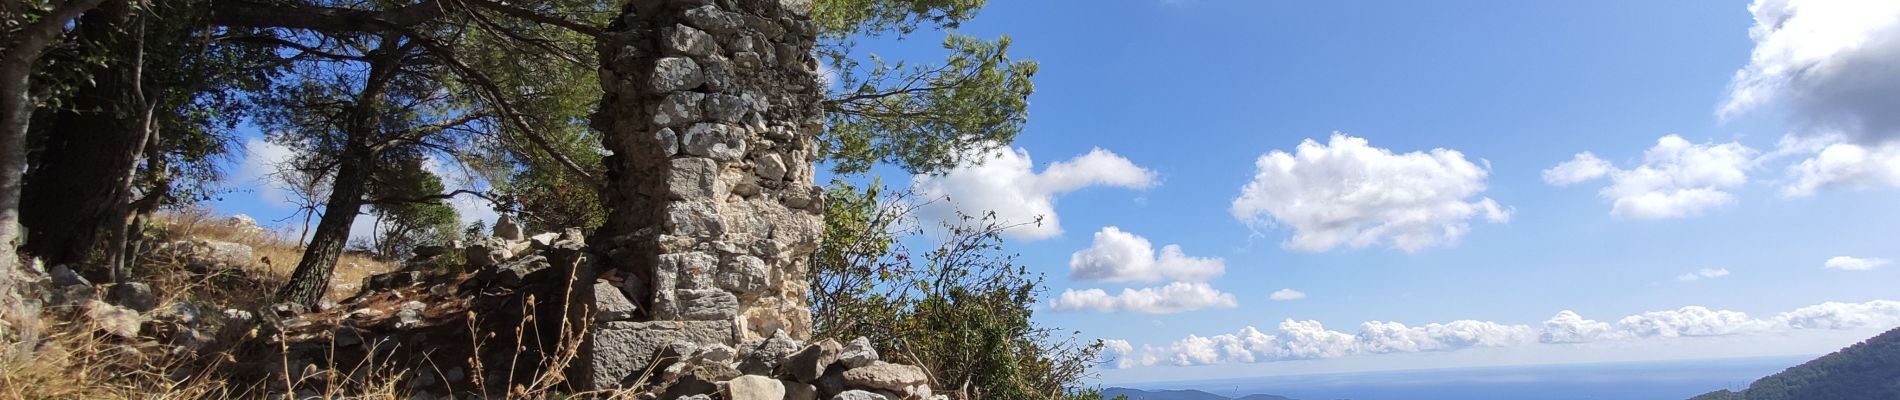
1456	115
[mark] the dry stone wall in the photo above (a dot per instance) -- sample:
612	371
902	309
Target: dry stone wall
710	110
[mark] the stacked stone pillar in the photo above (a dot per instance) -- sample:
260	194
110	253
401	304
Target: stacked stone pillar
710	111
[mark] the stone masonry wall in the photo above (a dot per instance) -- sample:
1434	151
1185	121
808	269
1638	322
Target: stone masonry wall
710	110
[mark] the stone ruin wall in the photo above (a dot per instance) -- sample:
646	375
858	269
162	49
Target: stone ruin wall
711	109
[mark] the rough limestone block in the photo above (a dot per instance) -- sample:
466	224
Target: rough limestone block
675	74
754	387
808	364
610	304
707	304
678	109
681	39
858	353
885	376
621	350
716	141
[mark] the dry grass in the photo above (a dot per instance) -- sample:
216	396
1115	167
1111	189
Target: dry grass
252	361
277	253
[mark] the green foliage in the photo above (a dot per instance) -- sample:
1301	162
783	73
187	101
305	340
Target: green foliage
405	219
1866	370
474	231
841	19
927	118
547	77
962	310
197	79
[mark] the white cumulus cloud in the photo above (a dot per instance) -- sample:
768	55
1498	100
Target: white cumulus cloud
1678	178
1834	163
1833	315
258	172
1295	339
1173	298
1119	256
1346	192
1835	64
1286	295
1005	182
1299	340
1569	327
1856	263
1705	273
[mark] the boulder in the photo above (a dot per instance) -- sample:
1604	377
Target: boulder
391	280
544	240
63	277
610	304
754	387
885	376
181	313
858	353
112	319
808	364
763	357
486	252
506	228
134	295
207	255
862	395
409	315
799	391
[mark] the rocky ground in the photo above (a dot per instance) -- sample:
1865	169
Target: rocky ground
502	323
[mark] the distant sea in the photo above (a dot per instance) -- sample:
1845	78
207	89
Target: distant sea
1671	380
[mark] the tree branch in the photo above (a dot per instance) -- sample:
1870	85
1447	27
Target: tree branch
499	100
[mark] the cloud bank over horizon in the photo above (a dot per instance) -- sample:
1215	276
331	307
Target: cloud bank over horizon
1301	340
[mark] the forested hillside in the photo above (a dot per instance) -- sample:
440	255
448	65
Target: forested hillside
1867	370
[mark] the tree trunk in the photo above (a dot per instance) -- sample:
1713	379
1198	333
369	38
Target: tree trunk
19	318
312	277
77	189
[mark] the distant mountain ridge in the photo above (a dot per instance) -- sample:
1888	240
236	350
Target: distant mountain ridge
1138	394
1867	370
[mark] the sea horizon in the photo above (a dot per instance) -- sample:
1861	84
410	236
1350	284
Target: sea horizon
1631	380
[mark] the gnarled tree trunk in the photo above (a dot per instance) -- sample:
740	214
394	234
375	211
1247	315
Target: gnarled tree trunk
19	317
77	189
354	167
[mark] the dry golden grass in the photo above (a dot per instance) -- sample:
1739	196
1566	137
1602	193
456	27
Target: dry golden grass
75	362
277	253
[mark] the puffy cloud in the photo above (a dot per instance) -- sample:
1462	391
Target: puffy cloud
1296	339
1677	179
1705	273
1568	327
1393	337
1689	321
1832	315
1286	295
1006	183
1834	63
1837	164
258	172
1856	263
1585	166
1173	298
1347	192
1119	256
